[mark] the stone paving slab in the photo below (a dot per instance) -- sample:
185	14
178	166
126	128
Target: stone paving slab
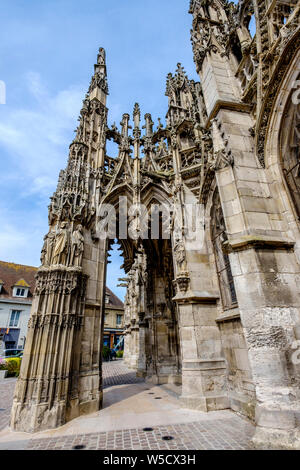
129	406
229	434
113	372
116	373
7	387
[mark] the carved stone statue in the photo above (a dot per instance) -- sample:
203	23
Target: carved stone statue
162	148
77	246
61	245
46	254
180	256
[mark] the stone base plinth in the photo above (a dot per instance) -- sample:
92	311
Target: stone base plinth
242	404
203	384
157	379
211	403
141	373
265	438
34	418
160	379
175	379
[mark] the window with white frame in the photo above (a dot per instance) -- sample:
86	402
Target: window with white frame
20	291
119	320
14	318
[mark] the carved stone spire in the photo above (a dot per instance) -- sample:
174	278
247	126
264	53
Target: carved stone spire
136	115
92	127
182	94
99	79
56	321
136	130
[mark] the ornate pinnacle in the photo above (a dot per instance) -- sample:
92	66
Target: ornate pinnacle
99	78
180	69
136	115
101	56
149	125
125	125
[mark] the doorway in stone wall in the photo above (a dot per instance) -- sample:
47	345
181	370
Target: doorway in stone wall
143	274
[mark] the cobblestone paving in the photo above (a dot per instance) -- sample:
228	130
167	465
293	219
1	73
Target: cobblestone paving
226	433
7	387
220	434
116	373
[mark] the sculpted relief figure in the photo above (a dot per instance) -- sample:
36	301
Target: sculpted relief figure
180	256
46	254
162	148
61	245
77	246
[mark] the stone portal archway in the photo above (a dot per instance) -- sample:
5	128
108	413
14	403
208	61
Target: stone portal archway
171	295
151	314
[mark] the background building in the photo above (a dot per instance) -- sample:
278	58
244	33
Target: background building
113	320
17	284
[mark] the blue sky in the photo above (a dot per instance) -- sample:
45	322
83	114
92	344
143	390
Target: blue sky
47	51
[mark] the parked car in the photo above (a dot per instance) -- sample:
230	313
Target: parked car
11	354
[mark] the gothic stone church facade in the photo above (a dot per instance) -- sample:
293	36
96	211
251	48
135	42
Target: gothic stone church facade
219	315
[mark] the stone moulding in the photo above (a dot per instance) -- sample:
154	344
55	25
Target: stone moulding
257	241
225	318
230	105
196	297
203	364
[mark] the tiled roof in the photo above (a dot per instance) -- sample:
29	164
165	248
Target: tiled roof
13	275
16	275
113	299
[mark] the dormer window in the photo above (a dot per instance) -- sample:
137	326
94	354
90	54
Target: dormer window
107	299
20	292
21	289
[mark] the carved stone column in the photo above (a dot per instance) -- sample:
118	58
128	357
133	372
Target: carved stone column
141	365
60	375
47	381
203	364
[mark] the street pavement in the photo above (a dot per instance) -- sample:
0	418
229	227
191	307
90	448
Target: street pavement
136	416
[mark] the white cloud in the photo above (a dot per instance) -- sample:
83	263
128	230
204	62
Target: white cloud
35	143
37	140
21	235
35	85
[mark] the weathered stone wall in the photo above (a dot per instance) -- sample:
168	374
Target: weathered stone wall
240	386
